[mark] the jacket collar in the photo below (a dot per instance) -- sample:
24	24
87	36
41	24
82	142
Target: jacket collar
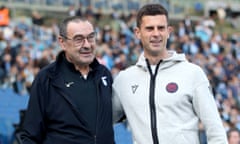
168	62
54	72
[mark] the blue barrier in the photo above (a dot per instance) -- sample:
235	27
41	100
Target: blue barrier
122	134
10	106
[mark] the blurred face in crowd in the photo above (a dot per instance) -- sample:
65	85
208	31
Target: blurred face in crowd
153	33
234	137
79	43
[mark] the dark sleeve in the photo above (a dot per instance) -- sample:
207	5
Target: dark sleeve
109	76
34	123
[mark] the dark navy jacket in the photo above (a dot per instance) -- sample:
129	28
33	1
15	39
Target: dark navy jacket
53	118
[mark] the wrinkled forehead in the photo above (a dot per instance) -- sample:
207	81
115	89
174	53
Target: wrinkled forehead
79	28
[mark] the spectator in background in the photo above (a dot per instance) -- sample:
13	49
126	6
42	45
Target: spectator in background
221	13
163	96
79	10
182	31
233	136
37	19
4	16
89	11
71	10
188	24
228	11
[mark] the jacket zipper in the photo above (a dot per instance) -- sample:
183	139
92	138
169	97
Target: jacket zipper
152	102
95	139
95	135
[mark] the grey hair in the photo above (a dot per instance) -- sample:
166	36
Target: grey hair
63	25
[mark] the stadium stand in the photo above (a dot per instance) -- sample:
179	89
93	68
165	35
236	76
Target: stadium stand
174	6
27	44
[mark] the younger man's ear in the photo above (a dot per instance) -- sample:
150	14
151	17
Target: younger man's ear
170	29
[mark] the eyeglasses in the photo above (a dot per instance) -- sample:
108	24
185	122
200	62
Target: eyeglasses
78	40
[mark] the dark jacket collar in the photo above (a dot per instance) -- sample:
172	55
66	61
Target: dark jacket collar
54	71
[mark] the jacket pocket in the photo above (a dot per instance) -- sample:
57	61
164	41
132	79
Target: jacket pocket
179	137
190	136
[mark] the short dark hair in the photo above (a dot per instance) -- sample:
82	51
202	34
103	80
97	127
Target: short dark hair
229	132
64	23
151	10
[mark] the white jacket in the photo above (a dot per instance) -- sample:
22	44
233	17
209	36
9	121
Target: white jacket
182	98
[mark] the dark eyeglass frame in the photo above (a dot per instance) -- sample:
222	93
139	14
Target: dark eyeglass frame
78	40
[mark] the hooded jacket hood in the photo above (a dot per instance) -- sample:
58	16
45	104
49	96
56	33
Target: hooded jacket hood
168	62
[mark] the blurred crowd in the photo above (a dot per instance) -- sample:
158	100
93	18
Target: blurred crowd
26	47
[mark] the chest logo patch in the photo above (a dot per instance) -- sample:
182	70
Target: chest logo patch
68	84
104	81
172	87
134	88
